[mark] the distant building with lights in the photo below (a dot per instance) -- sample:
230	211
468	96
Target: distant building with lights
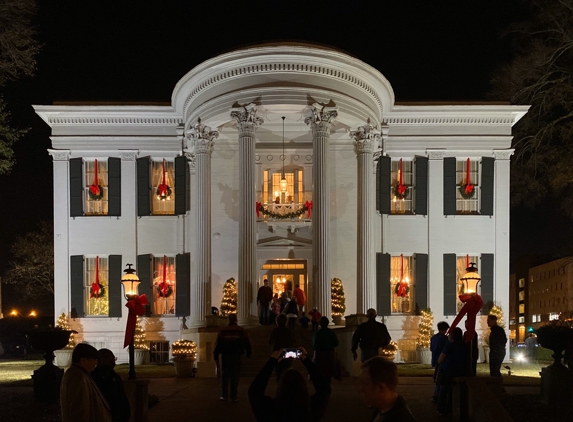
394	199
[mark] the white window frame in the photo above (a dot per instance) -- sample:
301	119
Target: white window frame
96	307
161	305
158	206
406	205
468	206
402	305
92	206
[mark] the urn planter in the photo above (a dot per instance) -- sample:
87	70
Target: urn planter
184	367
63	358
140	356
424	355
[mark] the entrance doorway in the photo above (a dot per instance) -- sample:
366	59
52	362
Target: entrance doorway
284	274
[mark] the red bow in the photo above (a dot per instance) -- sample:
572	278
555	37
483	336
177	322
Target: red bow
94	187
469	187
472	305
402	189
308	206
163	186
95	290
258	208
402	289
401	186
136	308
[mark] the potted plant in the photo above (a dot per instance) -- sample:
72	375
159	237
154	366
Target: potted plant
141	349
425	333
64	356
184	354
389	352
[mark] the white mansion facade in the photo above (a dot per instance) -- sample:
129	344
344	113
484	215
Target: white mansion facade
393	199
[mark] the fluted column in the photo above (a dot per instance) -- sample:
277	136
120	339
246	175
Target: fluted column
201	142
247	121
365	141
320	119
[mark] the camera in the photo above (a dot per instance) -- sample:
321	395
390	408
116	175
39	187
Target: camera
291	354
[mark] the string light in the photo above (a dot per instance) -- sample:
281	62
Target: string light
229	301
139	336
62	323
184	349
425	330
337	297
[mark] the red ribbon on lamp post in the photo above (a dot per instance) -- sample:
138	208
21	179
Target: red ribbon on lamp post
136	308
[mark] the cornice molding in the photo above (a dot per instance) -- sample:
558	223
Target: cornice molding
60	155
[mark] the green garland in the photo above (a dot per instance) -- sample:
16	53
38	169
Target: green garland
294	214
94	197
462	189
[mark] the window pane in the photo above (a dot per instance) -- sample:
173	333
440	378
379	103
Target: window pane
164	285
96	299
401	284
469	205
95	191
165	204
402	205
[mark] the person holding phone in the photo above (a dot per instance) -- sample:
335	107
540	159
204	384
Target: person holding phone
293	401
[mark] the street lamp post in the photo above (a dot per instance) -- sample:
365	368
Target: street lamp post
471	279
130	283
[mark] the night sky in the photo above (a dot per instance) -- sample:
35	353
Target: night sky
138	50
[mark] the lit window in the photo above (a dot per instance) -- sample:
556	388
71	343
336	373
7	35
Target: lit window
163	187
462	263
164	285
96	286
521	282
522	295
467	199
402	200
522	308
521	319
95	187
533	318
553	316
271	189
401	284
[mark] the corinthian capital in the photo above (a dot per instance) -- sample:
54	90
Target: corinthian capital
365	138
318	113
201	138
247	118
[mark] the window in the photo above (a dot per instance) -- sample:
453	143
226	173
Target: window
533	318
522	295
522	308
96	289
271	189
467	201
521	282
462	263
162	187
553	316
164	285
401	283
159	352
95	187
402	203
521	319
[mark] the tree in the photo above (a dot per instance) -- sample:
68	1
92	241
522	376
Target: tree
425	331
63	323
229	301
139	341
541	74
32	267
337	297
18	50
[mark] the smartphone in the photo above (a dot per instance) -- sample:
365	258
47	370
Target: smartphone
291	354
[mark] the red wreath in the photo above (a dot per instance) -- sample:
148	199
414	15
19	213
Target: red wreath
401	189
468	190
308	205
95	191
163	190
164	289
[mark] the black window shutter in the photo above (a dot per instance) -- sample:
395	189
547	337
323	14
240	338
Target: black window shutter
385	163
487	185
450	284
181	169
114	286
487	279
114	186
77	296
183	280
450	186
421	192
76	187
383	299
143	187
146	279
421	280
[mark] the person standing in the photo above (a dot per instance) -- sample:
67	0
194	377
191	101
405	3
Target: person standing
281	338
472	351
275	309
315	316
300	298
377	384
110	384
497	343
370	335
232	342
531	344
291	311
304	321
453	363
264	298
437	343
80	398
324	342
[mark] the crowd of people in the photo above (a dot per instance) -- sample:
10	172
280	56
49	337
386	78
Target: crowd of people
91	390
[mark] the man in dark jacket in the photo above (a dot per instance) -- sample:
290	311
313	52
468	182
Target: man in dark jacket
377	384
370	335
232	342
497	342
437	344
110	384
264	298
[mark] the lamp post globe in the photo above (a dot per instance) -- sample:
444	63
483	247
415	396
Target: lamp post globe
471	279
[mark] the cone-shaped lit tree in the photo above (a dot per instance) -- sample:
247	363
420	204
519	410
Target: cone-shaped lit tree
425	330
63	323
338	301
229	301
139	341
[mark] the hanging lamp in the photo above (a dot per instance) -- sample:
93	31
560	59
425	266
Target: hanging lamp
283	182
